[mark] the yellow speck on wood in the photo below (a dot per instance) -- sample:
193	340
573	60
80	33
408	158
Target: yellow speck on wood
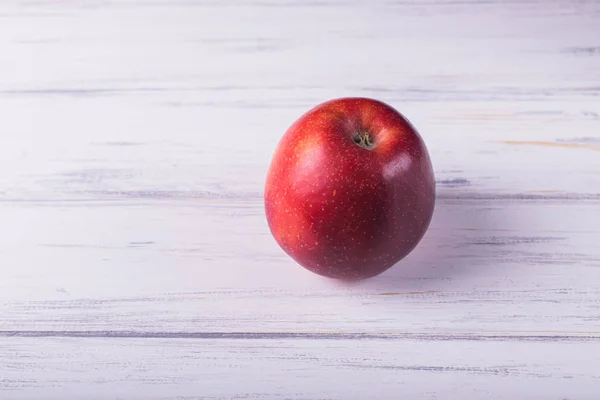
552	144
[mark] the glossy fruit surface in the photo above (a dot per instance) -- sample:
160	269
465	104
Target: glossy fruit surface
350	190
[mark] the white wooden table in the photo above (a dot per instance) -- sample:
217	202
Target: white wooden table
135	259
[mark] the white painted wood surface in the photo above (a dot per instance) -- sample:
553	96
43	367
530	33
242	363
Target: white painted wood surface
135	260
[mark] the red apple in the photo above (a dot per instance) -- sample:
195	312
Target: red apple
350	190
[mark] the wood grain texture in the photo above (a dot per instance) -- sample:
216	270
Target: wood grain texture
135	259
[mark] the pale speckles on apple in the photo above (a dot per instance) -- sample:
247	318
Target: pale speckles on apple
399	164
339	210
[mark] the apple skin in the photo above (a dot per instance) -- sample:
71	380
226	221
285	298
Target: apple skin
350	190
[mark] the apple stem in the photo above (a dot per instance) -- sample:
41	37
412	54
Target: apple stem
364	140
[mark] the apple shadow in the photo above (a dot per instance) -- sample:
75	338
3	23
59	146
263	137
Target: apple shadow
459	244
